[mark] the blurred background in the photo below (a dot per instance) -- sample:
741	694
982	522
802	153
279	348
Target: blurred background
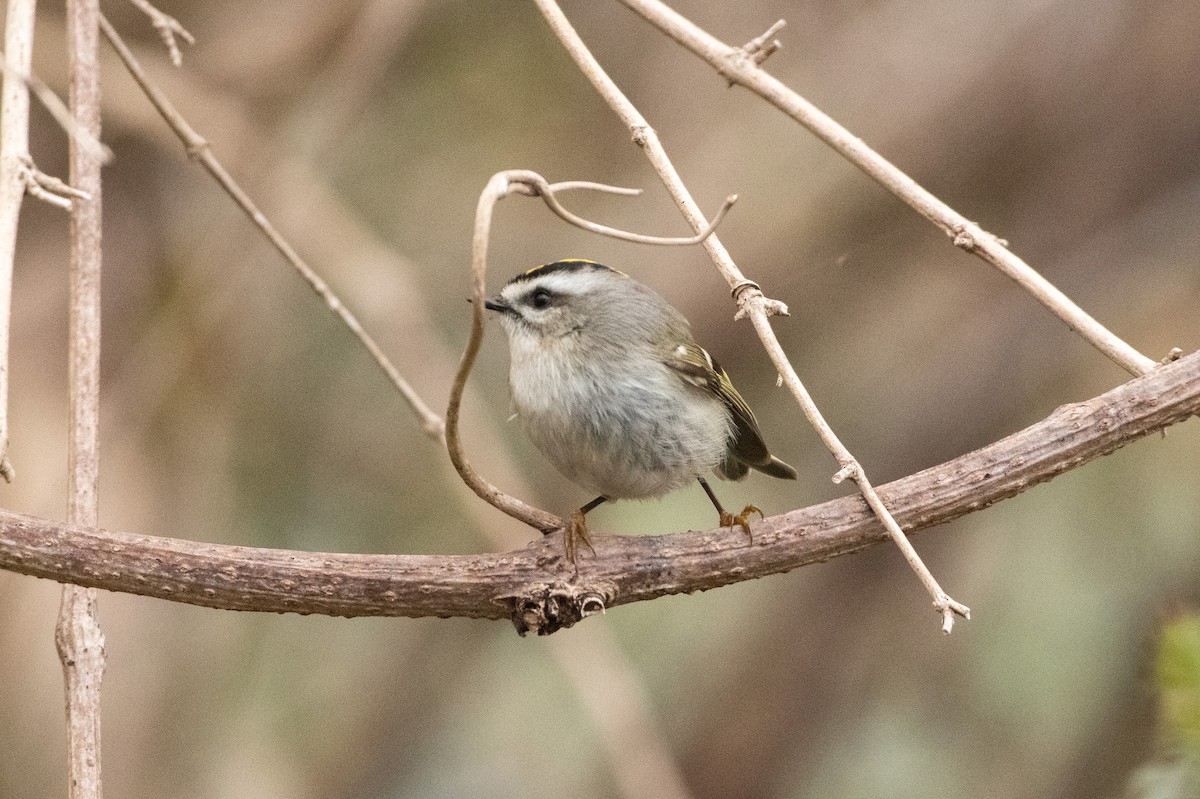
236	410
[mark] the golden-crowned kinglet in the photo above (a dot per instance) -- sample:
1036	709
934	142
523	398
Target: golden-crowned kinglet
611	387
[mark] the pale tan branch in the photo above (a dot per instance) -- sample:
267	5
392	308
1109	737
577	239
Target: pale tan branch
77	635
79	642
851	468
199	149
525	585
168	28
50	189
19	176
539	187
14	158
497	188
741	65
763	46
749	297
46	96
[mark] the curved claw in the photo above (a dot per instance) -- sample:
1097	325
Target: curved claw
741	520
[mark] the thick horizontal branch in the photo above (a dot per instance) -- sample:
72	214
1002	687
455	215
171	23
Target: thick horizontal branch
537	590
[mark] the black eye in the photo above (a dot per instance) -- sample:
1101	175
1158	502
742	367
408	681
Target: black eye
540	299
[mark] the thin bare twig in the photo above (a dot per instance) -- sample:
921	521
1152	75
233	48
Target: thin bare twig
199	149
525	586
763	46
18	175
497	188
168	28
740	65
78	637
749	297
46	96
14	155
538	187
50	189
501	185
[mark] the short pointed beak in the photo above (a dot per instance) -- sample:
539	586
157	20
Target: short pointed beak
497	304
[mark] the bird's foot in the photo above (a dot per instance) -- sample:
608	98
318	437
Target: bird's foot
574	533
741	520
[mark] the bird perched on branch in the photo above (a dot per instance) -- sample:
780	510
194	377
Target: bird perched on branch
610	386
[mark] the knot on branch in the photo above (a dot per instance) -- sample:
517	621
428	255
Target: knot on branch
749	297
851	470
964	238
969	236
197	147
549	607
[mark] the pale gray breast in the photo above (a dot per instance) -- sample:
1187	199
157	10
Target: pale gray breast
624	432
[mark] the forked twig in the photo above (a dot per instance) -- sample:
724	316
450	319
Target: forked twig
199	149
529	184
763	46
168	28
749	297
741	65
48	188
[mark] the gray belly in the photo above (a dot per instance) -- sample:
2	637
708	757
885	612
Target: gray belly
625	440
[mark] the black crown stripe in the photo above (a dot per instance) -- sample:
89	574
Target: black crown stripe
565	265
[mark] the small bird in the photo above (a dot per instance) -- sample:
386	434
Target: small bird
609	384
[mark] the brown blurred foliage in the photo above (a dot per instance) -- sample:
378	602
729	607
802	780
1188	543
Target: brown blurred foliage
236	410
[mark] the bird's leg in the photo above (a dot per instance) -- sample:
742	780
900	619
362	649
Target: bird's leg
576	531
728	519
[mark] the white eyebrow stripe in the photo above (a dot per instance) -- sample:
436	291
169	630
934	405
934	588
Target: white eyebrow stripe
576	282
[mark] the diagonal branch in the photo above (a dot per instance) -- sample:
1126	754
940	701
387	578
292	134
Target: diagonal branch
741	65
523	585
168	28
199	149
749	297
